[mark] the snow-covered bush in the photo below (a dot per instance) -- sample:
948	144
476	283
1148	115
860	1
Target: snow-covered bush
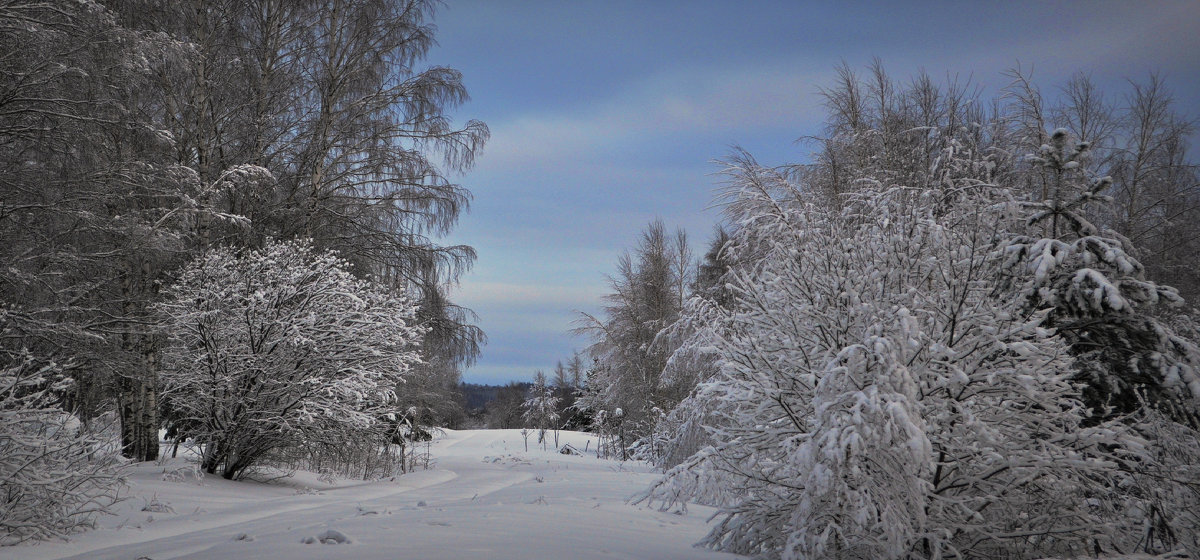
879	398
1162	494
609	427
281	349
56	475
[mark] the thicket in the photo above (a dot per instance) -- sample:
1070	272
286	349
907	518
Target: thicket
962	329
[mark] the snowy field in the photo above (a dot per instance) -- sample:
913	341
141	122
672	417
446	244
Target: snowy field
485	497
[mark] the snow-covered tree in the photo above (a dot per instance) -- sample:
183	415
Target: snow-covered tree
279	348
541	408
677	432
337	103
87	213
878	398
1096	294
1139	140
648	290
56	474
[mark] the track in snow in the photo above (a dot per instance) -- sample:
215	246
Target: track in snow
485	498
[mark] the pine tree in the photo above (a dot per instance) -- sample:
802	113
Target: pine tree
1096	294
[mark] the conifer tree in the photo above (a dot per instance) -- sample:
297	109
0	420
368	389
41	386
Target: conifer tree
1096	295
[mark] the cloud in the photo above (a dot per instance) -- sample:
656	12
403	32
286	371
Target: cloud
724	101
592	139
525	295
716	102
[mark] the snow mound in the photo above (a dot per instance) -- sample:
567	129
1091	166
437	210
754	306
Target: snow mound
328	536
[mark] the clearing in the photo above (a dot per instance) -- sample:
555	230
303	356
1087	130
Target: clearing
484	497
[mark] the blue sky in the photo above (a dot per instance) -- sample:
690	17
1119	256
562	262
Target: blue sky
607	115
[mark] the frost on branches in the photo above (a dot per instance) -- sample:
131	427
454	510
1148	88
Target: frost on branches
541	409
1096	294
56	475
879	398
281	349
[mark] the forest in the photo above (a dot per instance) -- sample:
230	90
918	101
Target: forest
962	325
221	220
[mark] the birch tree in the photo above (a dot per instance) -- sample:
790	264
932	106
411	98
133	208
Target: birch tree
648	289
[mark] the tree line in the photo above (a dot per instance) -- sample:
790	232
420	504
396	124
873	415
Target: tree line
962	329
203	205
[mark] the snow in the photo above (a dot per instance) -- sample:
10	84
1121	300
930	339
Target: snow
485	497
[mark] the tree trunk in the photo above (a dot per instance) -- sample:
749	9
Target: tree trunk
138	404
137	388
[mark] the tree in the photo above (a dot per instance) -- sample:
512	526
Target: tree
576	370
877	398
505	411
709	281
280	348
561	379
330	98
56	474
450	344
1095	294
88	195
1156	187
541	409
565	390
648	290
1140	144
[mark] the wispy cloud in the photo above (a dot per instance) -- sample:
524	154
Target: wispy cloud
607	116
523	295
717	102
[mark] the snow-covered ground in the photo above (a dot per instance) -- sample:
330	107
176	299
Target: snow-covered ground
485	497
